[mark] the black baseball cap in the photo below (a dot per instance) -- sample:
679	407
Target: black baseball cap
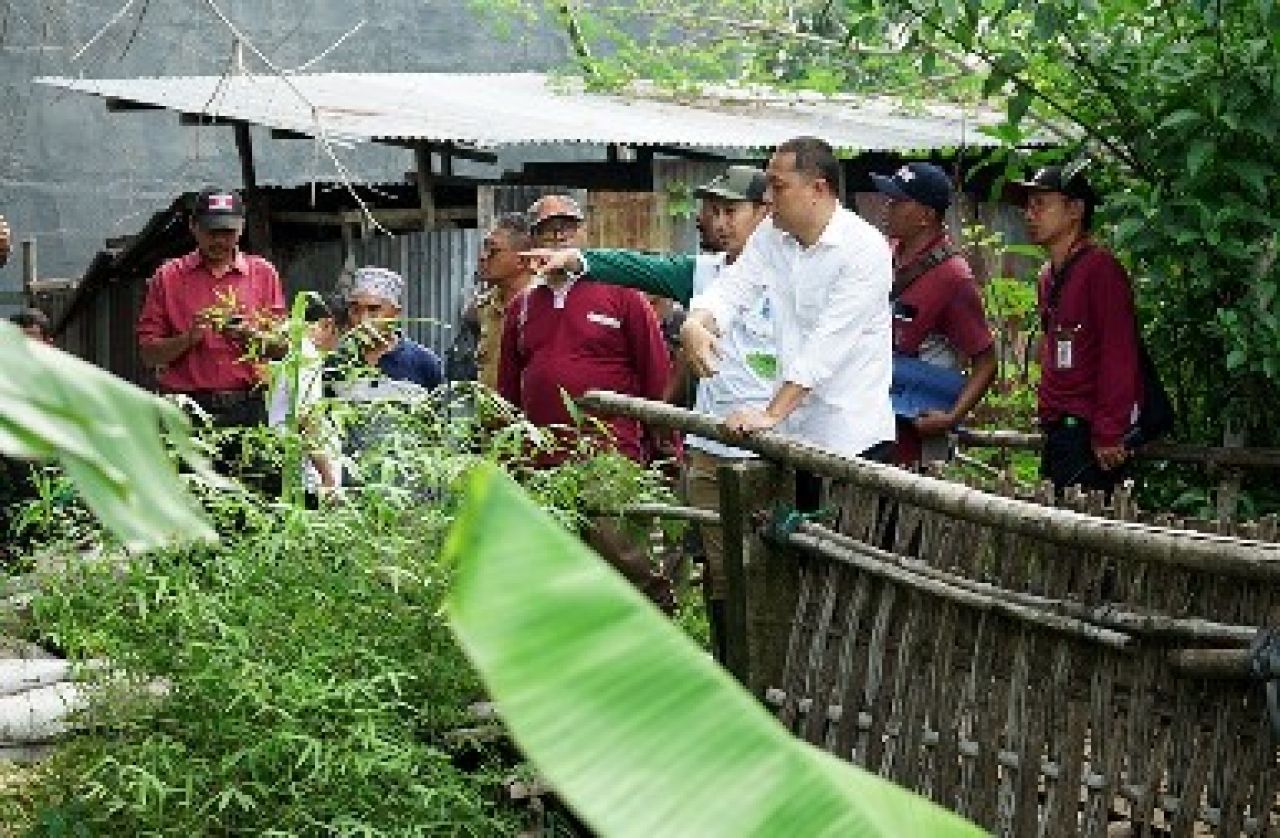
219	209
1067	180
738	183
923	183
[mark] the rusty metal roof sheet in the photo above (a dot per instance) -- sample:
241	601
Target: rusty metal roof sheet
497	110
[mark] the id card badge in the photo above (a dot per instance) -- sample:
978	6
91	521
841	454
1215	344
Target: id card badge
1064	347
1064	353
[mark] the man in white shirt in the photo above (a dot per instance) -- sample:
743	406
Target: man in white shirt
827	274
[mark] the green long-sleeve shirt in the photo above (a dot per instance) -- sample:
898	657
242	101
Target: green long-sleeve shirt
662	275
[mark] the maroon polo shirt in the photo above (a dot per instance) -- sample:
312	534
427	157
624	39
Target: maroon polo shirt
184	287
1097	375
603	337
939	317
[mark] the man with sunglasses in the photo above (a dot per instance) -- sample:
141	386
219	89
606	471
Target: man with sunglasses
505	274
1091	384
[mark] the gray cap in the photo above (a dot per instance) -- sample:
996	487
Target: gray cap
738	183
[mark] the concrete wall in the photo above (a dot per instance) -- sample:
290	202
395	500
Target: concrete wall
72	175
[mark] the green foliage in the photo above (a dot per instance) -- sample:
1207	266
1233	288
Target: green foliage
634	726
296	677
55	405
1178	103
309	678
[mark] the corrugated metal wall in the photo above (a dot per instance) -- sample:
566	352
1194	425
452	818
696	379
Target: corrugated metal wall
439	270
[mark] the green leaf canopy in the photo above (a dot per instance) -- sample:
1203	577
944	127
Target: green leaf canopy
633	725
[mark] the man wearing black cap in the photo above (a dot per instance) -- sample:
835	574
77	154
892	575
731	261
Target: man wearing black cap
1090	389
937	313
205	312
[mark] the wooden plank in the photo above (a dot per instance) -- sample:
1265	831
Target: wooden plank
770	579
1100	779
1191	786
1057	700
992	695
840	736
942	772
914	717
1030	755
820	666
898	703
1066	820
869	744
793	669
735	532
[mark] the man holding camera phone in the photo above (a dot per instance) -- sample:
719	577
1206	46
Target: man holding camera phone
206	313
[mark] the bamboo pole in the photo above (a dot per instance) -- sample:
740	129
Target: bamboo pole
671	513
1205	455
1228	664
1106	616
871	560
1200	551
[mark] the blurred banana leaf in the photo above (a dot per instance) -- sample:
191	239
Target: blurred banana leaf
108	435
635	727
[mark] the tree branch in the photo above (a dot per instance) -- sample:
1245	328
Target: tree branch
1125	155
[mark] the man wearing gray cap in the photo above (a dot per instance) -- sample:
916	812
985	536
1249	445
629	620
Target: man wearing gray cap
374	304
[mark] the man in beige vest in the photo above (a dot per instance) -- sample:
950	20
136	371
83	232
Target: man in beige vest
505	273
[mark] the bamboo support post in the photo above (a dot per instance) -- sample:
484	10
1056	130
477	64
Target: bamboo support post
761	582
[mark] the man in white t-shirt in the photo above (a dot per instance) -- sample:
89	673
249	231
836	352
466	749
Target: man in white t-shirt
322	469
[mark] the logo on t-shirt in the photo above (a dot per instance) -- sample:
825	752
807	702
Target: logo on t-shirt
604	320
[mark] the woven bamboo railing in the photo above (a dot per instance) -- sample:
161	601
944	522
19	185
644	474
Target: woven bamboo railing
1042	671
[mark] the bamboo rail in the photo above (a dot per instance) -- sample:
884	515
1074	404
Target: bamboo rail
1206	455
1200	551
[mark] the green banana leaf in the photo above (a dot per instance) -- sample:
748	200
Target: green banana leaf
634	726
107	434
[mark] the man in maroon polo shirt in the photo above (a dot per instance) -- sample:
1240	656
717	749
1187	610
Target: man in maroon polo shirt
1090	370
204	311
937	310
568	334
573	334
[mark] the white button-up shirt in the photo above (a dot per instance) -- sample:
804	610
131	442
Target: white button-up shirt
833	325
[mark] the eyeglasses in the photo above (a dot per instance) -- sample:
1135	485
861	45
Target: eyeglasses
556	227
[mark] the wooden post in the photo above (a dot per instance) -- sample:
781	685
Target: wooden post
761	578
426	182
1230	485
257	213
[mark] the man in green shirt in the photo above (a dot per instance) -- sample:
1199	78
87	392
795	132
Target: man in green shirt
732	207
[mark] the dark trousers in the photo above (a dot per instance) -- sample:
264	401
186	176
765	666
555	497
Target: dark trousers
809	485
242	459
1067	458
233	411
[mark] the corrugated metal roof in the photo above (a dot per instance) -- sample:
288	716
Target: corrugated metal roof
496	110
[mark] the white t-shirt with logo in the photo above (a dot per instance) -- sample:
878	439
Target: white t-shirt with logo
747	376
